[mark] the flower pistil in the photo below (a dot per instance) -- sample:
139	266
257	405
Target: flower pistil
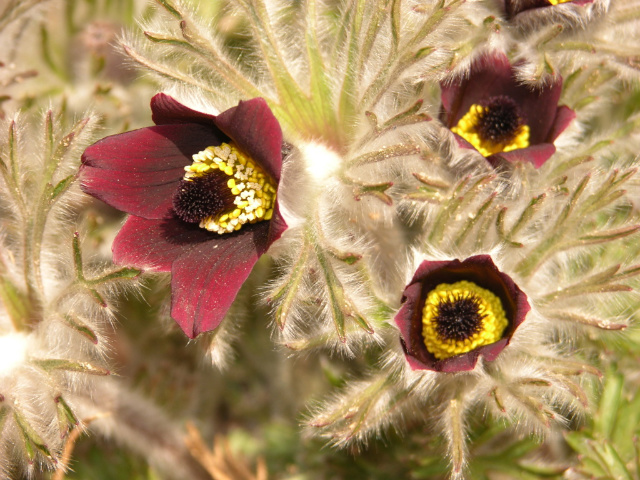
460	317
494	126
223	189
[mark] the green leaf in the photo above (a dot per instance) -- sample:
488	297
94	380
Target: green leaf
54	364
4	415
81	328
170	8
122	273
579	442
431	182
341	306
423	52
608	236
30	437
374	190
15	303
97	297
164	39
77	257
290	288
62	186
66	418
594	468
605	419
347	257
612	460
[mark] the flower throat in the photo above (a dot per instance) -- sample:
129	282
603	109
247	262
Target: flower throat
223	189
494	126
461	317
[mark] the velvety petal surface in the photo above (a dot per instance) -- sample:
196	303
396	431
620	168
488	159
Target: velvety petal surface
254	129
138	171
155	244
513	7
537	155
564	116
277	225
166	110
488	76
206	279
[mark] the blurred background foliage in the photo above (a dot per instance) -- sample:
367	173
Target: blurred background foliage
65	53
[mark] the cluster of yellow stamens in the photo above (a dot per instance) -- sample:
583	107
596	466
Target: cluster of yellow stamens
472	316
468	129
254	190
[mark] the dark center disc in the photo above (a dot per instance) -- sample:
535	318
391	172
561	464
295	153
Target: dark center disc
458	319
500	120
203	196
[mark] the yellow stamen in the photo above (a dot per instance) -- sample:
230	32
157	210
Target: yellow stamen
489	308
252	187
467	129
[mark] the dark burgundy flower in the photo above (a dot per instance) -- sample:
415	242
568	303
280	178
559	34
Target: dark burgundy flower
513	7
455	311
200	190
491	111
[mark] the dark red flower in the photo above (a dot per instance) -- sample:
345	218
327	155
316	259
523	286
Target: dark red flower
513	7
491	111
142	172
455	311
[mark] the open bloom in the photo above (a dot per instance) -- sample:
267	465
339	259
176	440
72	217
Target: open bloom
513	7
456	311
201	193
504	120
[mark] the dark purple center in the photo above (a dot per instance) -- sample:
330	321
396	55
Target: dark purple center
500	120
458	318
203	196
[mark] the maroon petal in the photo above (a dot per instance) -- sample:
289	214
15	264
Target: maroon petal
535	154
564	116
277	225
538	107
513	7
206	279
166	110
155	244
138	171
254	129
489	76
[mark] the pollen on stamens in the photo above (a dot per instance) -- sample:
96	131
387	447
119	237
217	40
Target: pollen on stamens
252	191
460	317
494	126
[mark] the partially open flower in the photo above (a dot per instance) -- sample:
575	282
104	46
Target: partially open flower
489	110
456	311
201	191
513	7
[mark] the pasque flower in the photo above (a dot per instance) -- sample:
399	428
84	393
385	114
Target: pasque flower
513	7
504	120
455	311
201	193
